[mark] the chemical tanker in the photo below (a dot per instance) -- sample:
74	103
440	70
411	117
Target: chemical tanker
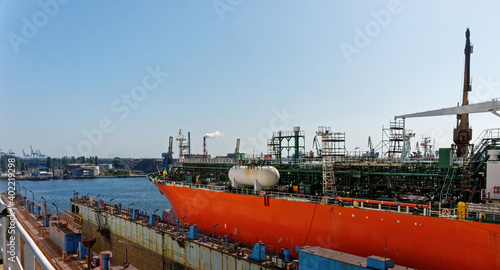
419	210
411	237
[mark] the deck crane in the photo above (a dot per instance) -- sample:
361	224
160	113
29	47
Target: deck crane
463	133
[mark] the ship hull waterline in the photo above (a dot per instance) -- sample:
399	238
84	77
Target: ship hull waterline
411	240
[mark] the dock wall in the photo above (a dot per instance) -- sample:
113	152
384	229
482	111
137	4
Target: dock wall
149	247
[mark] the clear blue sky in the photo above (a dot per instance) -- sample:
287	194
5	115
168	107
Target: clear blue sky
116	78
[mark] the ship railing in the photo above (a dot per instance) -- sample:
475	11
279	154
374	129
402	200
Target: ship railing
375	205
380	206
210	160
444	213
483	212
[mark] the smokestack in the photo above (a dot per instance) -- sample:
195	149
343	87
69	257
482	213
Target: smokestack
205	146
189	143
210	136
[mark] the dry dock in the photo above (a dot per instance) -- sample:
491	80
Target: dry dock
158	246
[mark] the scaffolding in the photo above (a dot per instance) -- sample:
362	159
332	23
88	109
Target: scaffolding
276	144
328	141
396	140
338	142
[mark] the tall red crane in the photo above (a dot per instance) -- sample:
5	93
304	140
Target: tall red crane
463	133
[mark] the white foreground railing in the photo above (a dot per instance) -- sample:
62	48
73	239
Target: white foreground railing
11	245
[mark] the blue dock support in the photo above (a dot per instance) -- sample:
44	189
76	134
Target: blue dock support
193	232
82	251
38	210
119	208
288	254
152	220
259	252
135	214
225	240
23	197
46	220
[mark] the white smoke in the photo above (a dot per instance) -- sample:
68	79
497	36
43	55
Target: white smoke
213	135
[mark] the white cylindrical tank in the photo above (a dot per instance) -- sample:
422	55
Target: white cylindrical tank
266	176
493	154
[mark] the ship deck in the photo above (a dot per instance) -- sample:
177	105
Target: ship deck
476	212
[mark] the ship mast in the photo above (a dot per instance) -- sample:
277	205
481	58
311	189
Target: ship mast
463	133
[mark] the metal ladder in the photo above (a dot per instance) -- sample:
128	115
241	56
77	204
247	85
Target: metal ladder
449	180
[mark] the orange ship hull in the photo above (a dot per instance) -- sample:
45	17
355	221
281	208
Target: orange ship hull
414	241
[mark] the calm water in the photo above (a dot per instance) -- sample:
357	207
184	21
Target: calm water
121	190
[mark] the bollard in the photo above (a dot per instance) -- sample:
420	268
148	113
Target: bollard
31	207
38	210
105	257
46	220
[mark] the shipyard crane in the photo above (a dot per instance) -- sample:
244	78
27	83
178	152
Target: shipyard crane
370	146
463	133
317	146
25	155
33	153
40	155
